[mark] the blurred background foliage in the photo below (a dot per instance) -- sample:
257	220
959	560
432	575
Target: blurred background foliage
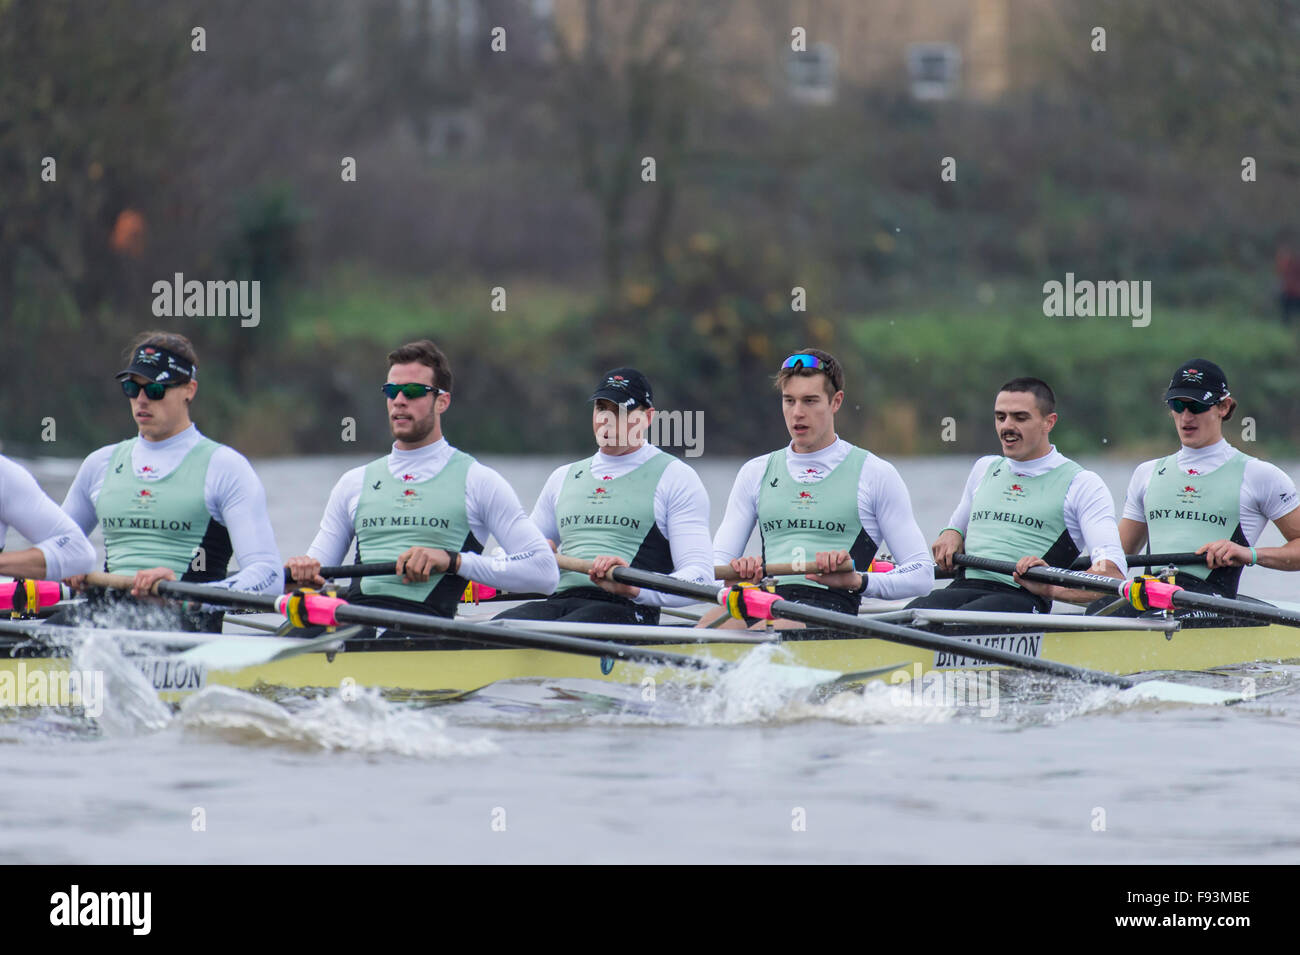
522	170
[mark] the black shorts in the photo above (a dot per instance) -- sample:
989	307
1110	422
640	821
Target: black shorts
583	605
987	595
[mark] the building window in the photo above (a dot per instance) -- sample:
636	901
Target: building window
810	74
934	70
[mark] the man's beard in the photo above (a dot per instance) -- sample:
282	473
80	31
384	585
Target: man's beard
418	430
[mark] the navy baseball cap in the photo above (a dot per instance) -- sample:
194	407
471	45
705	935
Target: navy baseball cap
626	387
1198	380
158	364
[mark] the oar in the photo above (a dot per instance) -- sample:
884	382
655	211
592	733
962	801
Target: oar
1133	560
1141	592
760	603
1148	560
721	571
390	570
355	570
330	611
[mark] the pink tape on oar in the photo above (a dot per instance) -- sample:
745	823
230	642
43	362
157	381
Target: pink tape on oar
303	609
879	567
748	603
1149	593
37	594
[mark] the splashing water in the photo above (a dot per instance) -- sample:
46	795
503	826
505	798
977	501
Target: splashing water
366	723
130	704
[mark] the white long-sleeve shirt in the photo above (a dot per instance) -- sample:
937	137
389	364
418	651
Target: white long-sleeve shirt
232	493
884	509
681	507
26	508
1089	510
491	506
1267	492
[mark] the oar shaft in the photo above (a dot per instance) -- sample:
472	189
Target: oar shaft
872	628
436	626
1180	598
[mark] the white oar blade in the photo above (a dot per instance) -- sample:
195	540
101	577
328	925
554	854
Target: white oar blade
1167	692
237	652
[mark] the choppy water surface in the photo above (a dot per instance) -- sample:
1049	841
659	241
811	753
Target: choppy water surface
574	771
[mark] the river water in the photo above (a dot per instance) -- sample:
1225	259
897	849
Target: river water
586	772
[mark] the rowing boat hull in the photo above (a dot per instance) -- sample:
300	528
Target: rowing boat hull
413	667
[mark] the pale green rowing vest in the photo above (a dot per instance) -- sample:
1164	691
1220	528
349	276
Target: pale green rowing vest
1185	511
394	515
161	523
1013	517
615	517
799	521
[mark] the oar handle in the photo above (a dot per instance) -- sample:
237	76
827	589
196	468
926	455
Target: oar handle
720	571
112	581
355	570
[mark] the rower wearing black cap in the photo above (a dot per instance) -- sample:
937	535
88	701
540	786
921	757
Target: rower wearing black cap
173	504
821	502
1209	498
628	505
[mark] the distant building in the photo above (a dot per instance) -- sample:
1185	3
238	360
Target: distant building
934	50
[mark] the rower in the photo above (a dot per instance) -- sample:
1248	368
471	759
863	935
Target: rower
628	505
1210	498
172	503
1032	505
427	506
822	502
59	548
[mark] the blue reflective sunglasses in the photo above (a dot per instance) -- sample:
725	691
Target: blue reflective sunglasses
803	361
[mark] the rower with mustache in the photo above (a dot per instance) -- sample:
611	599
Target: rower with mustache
1032	505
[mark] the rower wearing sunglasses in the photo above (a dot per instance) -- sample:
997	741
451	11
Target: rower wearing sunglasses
427	506
822	502
1209	498
628	505
173	504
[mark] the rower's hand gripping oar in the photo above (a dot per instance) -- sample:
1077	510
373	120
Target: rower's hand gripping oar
746	602
1144	593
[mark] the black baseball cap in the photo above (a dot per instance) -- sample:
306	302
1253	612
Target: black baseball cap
626	387
158	364
1198	380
